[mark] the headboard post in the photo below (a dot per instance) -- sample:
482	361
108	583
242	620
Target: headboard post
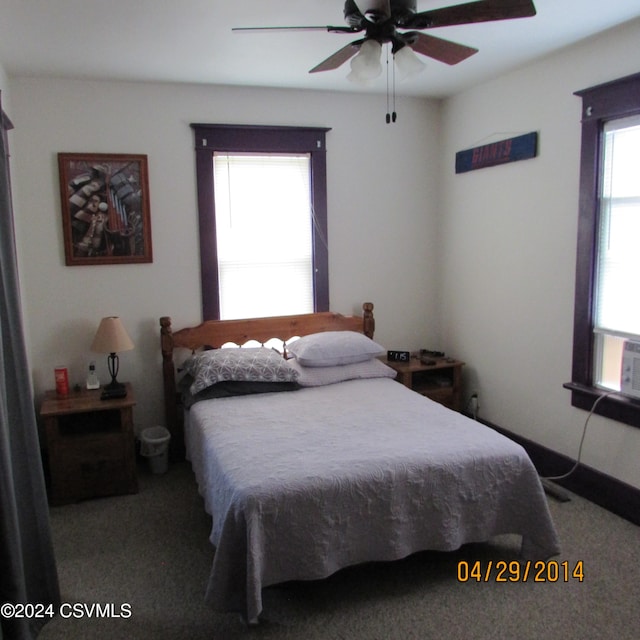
368	321
172	419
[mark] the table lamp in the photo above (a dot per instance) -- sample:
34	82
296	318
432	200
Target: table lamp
110	338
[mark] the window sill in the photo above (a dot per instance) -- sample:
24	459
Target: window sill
617	407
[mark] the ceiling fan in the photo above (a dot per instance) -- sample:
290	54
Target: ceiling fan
399	23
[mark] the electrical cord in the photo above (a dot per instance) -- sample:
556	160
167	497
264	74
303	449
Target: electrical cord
555	491
584	433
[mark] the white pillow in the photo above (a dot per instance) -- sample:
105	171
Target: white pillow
331	348
319	376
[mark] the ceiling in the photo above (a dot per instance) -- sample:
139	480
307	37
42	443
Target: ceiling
191	41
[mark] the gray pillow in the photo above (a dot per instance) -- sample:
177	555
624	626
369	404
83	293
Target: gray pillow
230	388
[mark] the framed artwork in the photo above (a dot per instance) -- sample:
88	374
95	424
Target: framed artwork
105	208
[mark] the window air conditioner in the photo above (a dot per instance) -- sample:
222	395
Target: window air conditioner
630	372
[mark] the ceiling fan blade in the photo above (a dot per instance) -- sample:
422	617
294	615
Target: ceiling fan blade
301	28
437	48
338	58
471	12
374	10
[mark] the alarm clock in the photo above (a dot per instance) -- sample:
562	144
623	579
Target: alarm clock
398	356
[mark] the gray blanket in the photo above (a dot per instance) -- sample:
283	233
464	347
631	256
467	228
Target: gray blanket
301	484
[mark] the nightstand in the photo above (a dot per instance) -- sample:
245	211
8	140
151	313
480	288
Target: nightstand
440	381
90	443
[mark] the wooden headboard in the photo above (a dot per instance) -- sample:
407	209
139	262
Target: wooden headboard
215	333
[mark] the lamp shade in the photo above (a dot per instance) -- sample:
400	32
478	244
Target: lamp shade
111	337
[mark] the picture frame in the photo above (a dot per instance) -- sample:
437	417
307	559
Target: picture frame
105	208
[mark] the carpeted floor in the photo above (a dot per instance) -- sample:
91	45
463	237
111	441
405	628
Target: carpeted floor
149	557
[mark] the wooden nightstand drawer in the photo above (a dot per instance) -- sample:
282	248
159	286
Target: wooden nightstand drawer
90	468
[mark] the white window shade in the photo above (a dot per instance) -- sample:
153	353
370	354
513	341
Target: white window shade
617	304
264	234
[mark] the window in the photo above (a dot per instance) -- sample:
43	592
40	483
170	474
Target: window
263	220
617	307
264	223
607	309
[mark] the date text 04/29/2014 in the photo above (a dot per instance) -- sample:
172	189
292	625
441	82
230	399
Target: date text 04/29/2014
519	571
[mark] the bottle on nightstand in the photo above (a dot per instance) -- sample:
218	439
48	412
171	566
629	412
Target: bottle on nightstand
92	378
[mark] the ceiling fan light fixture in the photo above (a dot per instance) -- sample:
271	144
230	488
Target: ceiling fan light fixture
407	63
365	65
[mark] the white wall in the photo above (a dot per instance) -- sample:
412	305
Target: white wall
508	249
382	206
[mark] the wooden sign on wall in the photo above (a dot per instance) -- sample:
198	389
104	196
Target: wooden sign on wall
489	155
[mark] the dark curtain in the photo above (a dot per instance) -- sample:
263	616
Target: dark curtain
27	565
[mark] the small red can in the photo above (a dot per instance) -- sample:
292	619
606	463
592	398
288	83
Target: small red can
62	381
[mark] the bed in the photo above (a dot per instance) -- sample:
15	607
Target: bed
336	465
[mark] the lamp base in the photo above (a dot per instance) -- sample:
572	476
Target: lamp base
113	390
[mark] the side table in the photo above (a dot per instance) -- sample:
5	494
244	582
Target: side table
91	445
440	381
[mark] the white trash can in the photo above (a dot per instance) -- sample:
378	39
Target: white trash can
154	445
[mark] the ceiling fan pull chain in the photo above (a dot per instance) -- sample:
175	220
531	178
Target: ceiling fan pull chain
393	71
388	116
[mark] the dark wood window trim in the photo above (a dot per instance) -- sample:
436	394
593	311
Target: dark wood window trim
259	139
612	100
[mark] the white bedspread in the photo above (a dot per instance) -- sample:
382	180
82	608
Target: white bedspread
303	483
